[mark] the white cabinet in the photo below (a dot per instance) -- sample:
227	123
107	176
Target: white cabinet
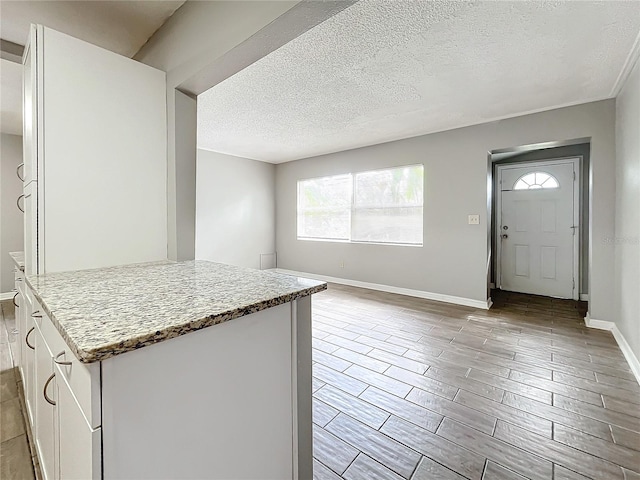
95	154
176	409
79	451
44	431
28	359
68	446
19	304
29	104
31	227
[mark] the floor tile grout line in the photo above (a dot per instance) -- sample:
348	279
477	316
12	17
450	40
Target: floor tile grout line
469	407
500	400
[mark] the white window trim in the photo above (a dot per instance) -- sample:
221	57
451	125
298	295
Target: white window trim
353	208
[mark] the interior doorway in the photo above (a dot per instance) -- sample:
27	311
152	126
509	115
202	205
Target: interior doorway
538	227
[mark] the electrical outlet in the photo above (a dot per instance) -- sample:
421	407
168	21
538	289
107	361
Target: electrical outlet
474	219
341	263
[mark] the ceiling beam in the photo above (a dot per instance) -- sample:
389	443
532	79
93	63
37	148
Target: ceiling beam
295	22
11	51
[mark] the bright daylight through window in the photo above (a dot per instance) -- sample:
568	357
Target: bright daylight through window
532	181
379	206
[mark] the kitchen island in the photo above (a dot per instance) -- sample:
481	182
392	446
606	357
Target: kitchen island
171	370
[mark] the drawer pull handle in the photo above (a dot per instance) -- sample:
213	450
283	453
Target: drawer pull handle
36	314
18	172
18	203
26	339
44	390
59	362
14	300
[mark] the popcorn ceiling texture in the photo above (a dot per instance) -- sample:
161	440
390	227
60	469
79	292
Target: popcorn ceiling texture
109	311
384	70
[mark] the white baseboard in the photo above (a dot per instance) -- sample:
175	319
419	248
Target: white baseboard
584	297
467	302
6	296
598	324
631	358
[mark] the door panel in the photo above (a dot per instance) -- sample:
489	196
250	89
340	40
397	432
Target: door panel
536	231
548	262
522	260
549	219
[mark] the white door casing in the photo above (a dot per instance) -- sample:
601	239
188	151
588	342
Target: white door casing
537	229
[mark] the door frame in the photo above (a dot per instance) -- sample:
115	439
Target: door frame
577	163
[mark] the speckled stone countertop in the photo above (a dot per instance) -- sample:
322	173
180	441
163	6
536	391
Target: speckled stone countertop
18	259
106	312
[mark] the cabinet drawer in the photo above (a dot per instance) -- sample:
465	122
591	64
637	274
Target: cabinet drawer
79	445
83	379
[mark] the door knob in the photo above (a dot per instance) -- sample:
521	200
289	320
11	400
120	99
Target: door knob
504	236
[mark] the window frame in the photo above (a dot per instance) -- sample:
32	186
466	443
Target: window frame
535	186
353	208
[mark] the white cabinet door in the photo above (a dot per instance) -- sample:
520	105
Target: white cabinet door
79	446
29	108
31	228
29	357
105	157
20	325
18	302
45	410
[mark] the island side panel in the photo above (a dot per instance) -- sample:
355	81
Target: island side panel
214	403
303	382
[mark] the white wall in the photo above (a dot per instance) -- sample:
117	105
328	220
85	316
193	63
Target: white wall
627	218
453	260
235	209
11	222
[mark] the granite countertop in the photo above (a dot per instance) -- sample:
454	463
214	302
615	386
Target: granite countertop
18	259
106	312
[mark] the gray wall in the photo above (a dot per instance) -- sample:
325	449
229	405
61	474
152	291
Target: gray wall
12	221
581	150
192	39
453	260
183	173
235	209
627	219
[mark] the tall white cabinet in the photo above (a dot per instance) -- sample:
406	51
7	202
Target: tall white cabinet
95	195
95	149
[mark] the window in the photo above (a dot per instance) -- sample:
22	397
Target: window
379	206
532	181
324	208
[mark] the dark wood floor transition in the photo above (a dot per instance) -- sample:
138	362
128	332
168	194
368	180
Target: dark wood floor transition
415	389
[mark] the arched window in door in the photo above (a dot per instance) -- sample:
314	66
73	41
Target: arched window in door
536	180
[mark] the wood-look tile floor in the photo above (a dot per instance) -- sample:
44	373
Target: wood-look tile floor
408	388
415	389
17	454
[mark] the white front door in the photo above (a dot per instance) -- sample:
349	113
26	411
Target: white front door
538	228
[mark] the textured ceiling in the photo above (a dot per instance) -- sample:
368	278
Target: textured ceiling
120	26
385	70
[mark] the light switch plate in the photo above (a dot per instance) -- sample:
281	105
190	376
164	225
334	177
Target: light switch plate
474	219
